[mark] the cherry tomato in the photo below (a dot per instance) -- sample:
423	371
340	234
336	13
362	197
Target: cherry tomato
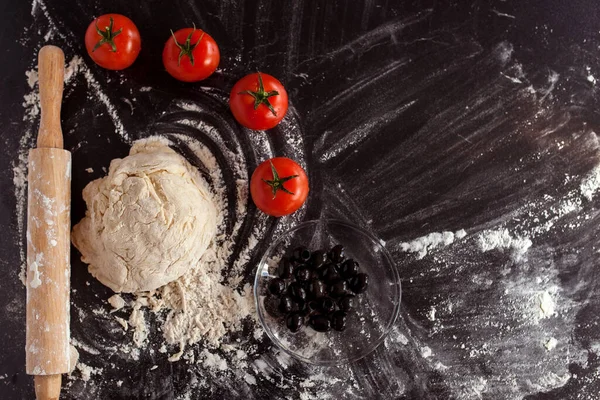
279	186
191	55
258	101
113	41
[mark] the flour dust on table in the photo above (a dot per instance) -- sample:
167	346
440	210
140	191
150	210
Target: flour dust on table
199	306
477	141
498	295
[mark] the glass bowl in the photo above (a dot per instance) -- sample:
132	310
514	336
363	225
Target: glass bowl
377	308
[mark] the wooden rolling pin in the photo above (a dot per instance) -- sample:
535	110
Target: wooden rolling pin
48	233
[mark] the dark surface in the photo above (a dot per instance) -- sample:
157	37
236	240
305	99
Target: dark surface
417	117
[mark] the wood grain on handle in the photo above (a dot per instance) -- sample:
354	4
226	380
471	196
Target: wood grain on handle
48	238
51	72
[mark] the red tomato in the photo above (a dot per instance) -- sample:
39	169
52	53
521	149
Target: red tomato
258	101
191	55
279	186
113	41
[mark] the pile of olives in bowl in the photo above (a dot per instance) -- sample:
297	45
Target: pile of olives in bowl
316	288
319	278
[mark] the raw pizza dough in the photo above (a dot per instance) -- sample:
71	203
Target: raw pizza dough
148	222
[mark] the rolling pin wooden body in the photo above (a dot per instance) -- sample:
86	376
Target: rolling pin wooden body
48	237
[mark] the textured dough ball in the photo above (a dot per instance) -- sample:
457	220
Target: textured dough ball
147	222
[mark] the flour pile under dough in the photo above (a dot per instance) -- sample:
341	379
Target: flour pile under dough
147	222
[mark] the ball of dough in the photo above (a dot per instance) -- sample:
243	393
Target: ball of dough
147	222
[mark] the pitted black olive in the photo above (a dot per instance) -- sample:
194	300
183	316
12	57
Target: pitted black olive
277	286
349	268
338	320
317	289
320	323
286	304
337	254
303	274
297	291
285	270
294	322
347	303
359	283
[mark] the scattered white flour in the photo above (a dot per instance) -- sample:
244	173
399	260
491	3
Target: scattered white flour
86	371
395	336
546	304
501	239
88	349
77	65
590	77
591	184
318	379
250	379
426	352
203	309
32	78
431	314
424	244
213	361
89	170
551	344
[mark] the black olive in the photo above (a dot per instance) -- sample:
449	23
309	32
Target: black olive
307	308
285	270
277	286
316	289
316	274
301	254
338	268
337	254
313	306
347	303
294	322
339	288
286	304
327	305
338	320
320	323
349	268
318	258
329	273
359	283
302	308
297	291
303	274
272	306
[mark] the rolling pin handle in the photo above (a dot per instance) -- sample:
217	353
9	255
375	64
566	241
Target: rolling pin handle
47	387
51	71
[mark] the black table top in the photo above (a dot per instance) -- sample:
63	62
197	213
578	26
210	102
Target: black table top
413	118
